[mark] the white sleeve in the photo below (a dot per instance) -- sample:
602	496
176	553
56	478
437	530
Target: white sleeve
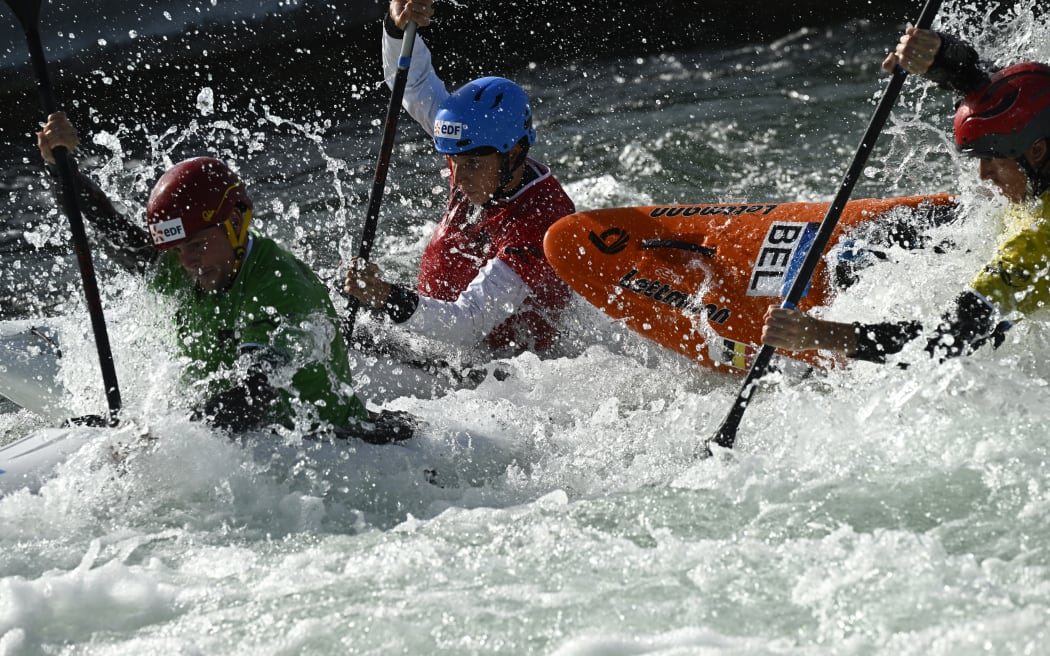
494	294
424	91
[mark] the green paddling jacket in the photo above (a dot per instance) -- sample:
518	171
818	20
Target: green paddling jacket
268	350
276	324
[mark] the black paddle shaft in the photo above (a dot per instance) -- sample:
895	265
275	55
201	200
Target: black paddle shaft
28	13
726	435
375	196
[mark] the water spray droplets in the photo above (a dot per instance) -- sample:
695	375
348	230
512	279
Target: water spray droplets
206	101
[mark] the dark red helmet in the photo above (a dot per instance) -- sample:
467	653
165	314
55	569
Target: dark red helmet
193	195
1008	115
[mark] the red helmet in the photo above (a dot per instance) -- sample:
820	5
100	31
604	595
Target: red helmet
193	195
1008	115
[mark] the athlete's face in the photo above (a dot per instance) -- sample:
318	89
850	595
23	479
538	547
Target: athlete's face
477	176
208	259
1007	174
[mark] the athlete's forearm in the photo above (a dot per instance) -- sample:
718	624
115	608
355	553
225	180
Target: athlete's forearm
875	341
125	243
495	294
957	66
965	328
424	90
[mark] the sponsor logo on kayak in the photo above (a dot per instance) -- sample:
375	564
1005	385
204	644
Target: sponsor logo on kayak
710	210
611	241
780	258
448	130
665	294
166	231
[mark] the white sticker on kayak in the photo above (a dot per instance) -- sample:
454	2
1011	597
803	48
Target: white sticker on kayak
780	258
166	231
448	130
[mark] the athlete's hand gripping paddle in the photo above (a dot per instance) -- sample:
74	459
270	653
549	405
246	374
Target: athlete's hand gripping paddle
726	435
375	197
28	13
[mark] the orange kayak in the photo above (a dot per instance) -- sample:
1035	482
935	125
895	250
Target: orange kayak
698	279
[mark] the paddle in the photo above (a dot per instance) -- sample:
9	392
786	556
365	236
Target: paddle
28	13
726	435
375	197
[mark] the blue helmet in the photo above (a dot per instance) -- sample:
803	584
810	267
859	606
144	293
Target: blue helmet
490	112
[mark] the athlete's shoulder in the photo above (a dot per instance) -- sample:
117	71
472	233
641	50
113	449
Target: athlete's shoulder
544	196
277	277
267	255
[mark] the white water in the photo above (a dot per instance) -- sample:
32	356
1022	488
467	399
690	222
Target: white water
874	510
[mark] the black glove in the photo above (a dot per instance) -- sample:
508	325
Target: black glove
93	421
240	408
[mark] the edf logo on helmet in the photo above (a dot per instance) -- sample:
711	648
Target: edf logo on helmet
449	129
195	194
166	231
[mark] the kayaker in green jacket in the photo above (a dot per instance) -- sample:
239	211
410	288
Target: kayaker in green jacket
260	332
